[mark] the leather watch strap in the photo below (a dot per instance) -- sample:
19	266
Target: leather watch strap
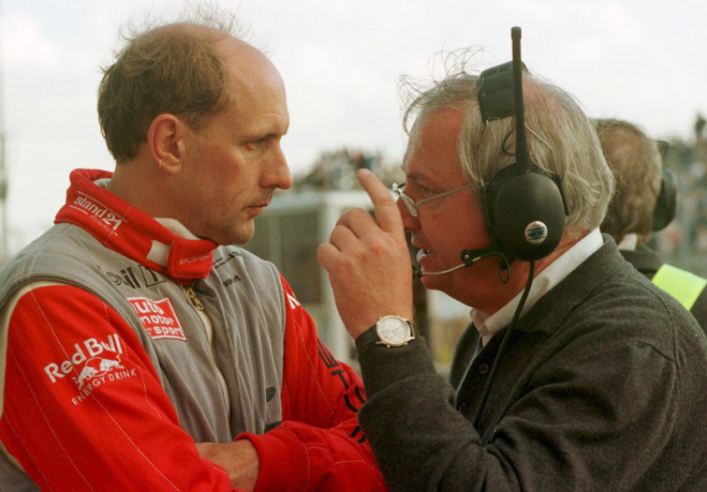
368	337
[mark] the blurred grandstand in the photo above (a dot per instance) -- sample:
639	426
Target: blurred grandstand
335	170
684	242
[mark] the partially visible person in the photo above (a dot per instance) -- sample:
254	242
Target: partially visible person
133	330
601	382
644	202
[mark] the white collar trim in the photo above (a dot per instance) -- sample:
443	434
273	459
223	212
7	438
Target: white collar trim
543	283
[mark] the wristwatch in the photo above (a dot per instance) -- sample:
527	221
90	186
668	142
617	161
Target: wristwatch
391	331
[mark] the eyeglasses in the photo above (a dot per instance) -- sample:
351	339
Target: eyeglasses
412	205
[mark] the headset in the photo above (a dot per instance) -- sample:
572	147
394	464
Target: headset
667	203
524	206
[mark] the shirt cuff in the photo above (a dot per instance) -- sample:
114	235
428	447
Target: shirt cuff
284	464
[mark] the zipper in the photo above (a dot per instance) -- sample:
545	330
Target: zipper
195	301
209	331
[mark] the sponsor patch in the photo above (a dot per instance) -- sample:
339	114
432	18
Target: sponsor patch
98	212
294	303
128	277
158	318
193	259
93	363
90	357
219	262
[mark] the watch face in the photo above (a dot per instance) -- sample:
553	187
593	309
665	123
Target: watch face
393	330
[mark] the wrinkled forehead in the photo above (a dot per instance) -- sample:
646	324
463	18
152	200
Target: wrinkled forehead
252	75
433	144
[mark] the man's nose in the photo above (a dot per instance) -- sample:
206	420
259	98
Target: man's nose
277	174
409	222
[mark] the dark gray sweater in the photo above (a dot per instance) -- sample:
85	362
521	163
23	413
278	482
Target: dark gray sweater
601	389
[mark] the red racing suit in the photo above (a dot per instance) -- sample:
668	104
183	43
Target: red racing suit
108	378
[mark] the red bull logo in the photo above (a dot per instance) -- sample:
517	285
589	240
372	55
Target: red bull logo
87	351
96	367
93	363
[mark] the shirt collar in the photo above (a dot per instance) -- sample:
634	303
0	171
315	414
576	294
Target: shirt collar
132	233
629	242
542	283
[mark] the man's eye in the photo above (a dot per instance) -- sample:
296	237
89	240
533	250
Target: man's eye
256	144
425	191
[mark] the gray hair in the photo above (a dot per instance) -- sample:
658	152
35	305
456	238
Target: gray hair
164	67
636	163
561	140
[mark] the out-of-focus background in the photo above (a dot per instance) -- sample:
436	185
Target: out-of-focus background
639	60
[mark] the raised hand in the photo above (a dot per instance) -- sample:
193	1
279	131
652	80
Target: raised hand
368	261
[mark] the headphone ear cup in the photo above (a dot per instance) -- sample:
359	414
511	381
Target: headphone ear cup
667	203
526	213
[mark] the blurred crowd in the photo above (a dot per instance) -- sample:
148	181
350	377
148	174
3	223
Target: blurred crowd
336	170
684	242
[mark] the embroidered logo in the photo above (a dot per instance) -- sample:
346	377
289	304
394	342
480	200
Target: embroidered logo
193	259
94	363
128	277
97	211
219	262
87	355
158	318
230	281
294	303
96	367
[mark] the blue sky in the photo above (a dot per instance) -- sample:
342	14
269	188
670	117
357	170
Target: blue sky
641	60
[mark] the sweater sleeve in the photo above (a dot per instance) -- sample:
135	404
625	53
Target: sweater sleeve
82	407
319	445
597	416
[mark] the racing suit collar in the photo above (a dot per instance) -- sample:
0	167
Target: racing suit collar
132	233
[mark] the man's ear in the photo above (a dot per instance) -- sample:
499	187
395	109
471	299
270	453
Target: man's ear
165	139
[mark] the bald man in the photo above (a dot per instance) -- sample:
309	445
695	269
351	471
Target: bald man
139	349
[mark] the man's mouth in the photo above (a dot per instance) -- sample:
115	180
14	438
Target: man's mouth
423	253
259	207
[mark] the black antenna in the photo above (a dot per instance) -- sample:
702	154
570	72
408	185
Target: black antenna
522	154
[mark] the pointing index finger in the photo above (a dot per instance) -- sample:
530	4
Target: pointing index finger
386	211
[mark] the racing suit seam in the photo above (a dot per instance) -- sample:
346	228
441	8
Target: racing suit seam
127	355
34	397
36	257
286	391
95	398
313	369
29	453
233	356
306	453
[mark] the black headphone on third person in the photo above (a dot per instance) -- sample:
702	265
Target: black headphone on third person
667	202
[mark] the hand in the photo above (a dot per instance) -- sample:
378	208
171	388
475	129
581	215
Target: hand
368	261
239	459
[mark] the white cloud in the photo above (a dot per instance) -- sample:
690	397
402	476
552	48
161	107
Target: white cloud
25	45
